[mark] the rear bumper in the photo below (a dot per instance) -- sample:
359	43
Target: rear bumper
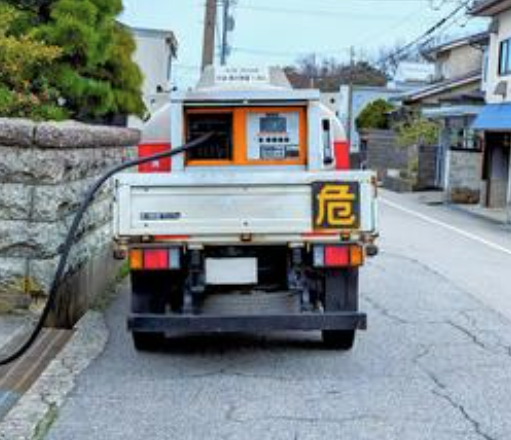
255	323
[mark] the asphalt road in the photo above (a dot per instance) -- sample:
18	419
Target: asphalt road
434	364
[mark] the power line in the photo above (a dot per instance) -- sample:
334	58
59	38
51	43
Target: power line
259	52
329	14
268	53
429	32
262	52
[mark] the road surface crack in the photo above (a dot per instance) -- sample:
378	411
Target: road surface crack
473	322
431	376
310	420
471	335
477	341
385	312
476	426
441	390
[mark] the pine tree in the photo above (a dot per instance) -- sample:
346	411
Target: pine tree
94	73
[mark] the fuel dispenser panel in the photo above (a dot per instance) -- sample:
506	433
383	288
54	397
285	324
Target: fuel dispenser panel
273	135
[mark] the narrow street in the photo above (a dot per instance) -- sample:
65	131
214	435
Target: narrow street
434	364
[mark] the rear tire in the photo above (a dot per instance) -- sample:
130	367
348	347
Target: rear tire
339	339
147	341
148	296
340	294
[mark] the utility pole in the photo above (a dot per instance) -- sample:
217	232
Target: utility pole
228	24
208	46
350	96
225	30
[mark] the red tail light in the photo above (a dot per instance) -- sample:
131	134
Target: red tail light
157	166
338	256
155	259
342	155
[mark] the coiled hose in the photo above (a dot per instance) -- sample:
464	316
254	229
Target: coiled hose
70	238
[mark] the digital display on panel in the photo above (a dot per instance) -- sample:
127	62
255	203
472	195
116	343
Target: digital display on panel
273	124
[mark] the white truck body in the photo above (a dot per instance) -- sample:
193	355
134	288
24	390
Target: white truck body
261	227
274	207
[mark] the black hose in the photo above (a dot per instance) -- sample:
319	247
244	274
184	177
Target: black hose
70	238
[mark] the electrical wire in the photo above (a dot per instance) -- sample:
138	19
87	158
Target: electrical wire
70	238
428	33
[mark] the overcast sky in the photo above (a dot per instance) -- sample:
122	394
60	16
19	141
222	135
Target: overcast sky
279	31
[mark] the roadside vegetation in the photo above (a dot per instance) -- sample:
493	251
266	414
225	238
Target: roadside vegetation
67	59
416	130
375	116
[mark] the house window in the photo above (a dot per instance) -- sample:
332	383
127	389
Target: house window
505	57
460	135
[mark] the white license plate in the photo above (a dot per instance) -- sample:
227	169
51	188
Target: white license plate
231	271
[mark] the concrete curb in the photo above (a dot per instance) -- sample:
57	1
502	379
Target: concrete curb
34	413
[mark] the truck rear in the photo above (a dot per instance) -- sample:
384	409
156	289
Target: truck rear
262	228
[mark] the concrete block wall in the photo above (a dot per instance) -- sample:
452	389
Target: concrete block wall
45	169
427	167
383	153
464	176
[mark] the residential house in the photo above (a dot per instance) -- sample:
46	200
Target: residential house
411	75
331	101
454	100
494	122
156	50
352	101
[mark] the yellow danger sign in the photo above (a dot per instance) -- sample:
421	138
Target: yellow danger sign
336	205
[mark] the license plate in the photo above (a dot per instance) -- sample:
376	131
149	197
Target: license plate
231	271
336	206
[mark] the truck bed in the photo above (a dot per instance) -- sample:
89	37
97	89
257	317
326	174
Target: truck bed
225	203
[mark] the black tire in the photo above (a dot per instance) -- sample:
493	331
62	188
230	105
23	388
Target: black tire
340	294
148	295
148	341
339	339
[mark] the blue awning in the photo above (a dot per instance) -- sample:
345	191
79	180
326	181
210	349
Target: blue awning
494	117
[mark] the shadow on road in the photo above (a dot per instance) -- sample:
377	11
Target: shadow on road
222	343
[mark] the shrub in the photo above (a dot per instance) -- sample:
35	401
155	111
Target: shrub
25	66
417	131
375	115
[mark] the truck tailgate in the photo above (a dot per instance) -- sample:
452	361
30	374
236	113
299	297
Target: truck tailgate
230	203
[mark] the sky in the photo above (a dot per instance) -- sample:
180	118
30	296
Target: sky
278	32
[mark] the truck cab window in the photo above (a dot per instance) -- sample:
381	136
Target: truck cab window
221	146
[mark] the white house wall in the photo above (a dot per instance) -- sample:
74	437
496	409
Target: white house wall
153	55
459	61
493	77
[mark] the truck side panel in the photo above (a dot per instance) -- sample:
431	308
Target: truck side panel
179	205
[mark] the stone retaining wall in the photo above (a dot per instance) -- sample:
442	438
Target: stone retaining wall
45	169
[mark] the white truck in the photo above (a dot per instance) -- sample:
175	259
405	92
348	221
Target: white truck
262	228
